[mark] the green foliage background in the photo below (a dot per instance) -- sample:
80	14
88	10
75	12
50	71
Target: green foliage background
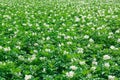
24	23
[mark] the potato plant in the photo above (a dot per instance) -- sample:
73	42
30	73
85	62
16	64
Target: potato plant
59	39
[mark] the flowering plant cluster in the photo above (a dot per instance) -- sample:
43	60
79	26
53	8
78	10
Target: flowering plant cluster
59	40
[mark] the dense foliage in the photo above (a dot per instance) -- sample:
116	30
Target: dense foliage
59	40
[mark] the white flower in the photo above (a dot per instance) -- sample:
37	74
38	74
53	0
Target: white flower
73	67
7	16
93	28
93	68
44	70
10	29
67	37
34	34
88	45
110	36
99	28
20	57
28	77
80	50
24	24
89	75
36	44
63	24
110	77
37	24
91	40
107	65
47	50
0	62
33	57
77	19
29	24
45	24
1	47
19	43
48	38
35	51
113	48
38	28
58	36
94	59
70	74
18	47
118	40
106	57
73	60
18	74
117	31
65	52
42	58
7	49
94	63
69	43
82	62
26	32
86	37
110	33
